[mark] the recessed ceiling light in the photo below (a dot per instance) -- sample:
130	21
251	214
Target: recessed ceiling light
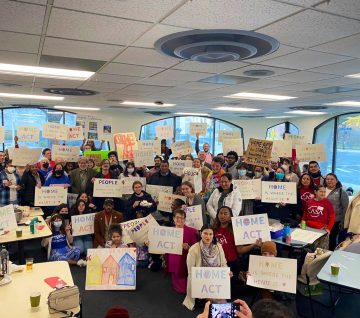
345	103
29	96
237	109
39	71
305	112
147	104
256	96
192	114
76	107
278	117
357	75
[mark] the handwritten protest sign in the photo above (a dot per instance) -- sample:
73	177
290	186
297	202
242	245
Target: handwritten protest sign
24	156
180	148
249	228
165	200
210	282
310	152
233	145
228	134
82	224
164	239
66	153
50	196
126	227
194	216
127	184
164	132
296	139
273	273
154	190
2	134
55	131
107	188
276	192
7	218
281	149
154	145
143	158
249	189
258	152
125	144
28	133
198	128
193	175
177	166
139	233
75	133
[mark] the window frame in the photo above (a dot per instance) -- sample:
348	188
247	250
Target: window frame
287	127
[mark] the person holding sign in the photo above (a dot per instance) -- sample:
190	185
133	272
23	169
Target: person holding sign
213	178
115	166
288	168
81	177
44	169
115	233
165	177
58	177
206	147
10	185
141	203
188	190
232	159
165	151
29	181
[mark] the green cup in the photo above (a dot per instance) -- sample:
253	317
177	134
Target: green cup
335	268
35	299
18	232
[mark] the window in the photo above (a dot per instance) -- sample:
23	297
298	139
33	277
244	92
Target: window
277	132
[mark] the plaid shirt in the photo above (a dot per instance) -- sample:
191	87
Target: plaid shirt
5	191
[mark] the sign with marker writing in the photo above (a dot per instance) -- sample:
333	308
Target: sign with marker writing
281	149
125	144
25	156
65	153
310	152
258	152
181	148
233	145
139	233
50	196
154	190
143	157
198	128
296	139
166	199
55	131
7	218
126	227
107	188
75	133
249	189
82	224
278	192
177	166
228	134
2	134
164	132
127	184
193	175
164	239
28	133
194	216
154	145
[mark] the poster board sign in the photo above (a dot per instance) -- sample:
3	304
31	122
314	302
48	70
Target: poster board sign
228	134
126	227
107	188
258	152
296	139
127	184
95	128
281	149
164	132
7	218
125	144
82	224
276	192
50	196
194	217
273	273
177	166
154	190
75	133
233	145
24	156
210	282
249	228
198	128
111	269
65	153
308	152
143	157
2	134
139	233
164	239
97	156
193	175
154	145
28	133
55	131
166	199
181	148
249	189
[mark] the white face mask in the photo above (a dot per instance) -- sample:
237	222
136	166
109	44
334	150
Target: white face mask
258	174
285	167
130	170
11	169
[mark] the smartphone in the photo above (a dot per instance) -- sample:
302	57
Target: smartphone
223	310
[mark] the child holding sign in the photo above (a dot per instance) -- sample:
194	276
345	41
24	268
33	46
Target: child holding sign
115	233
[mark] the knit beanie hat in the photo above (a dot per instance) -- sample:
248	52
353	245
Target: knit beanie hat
269	247
117	312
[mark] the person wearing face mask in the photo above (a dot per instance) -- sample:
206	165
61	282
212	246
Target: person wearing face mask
58	177
289	174
129	171
29	181
10	185
247	207
258	172
315	173
232	159
45	168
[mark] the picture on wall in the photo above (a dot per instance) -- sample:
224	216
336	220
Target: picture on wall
107	129
92	135
93	125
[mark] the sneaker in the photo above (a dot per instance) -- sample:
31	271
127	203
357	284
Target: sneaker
81	263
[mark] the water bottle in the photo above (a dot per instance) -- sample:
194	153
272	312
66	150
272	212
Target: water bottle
286	234
4	257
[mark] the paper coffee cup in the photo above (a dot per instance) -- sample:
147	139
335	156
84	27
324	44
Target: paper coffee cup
35	299
335	268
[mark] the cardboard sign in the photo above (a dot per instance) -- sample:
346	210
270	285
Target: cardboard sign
198	128
154	190
82	224
50	196
97	156
111	269
55	131
75	133
249	228
143	158
139	233
127	184
181	148
28	133
65	153
154	145
164	239
228	134
296	139
126	227
7	218
258	152
25	156
276	192
166	199
194	216
164	132
310	152
249	189
273	273
233	145
125	144
210	282
177	166
281	149
2	134
193	175
107	188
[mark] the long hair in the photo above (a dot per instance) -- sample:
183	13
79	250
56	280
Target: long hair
208	227
338	183
312	184
76	207
217	224
55	216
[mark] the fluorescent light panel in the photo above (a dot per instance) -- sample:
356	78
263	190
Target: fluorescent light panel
357	75
256	96
305	112
39	71
192	114
345	103
237	109
76	107
29	96
278	117
146	104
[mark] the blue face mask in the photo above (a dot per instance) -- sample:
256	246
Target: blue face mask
242	173
57	224
279	175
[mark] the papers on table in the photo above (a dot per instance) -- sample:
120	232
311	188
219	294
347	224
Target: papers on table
305	235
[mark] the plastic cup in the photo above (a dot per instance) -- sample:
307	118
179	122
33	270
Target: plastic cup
18	232
35	299
29	264
335	268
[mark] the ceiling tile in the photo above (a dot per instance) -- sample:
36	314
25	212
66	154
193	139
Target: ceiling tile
128	69
17	58
181	75
161	81
144	88
309	28
103	87
19	42
95	28
230	14
348	8
276	70
201	86
302	77
305	3
209	67
116	78
282	50
344	68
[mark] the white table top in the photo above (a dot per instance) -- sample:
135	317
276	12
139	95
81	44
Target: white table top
349	274
15	296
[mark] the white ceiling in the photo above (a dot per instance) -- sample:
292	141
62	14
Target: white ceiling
320	44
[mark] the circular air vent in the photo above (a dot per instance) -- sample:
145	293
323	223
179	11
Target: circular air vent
259	73
70	91
308	107
214	46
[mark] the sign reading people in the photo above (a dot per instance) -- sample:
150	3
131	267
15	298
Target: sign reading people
108	188
50	196
258	152
228	134
28	133
125	144
249	189
154	190
193	175
139	232
65	153
126	227
210	282
273	273
55	131
166	199
233	145
249	228
75	133
194	217
310	152
154	145
165	240
164	132
278	192
82	224
25	156
198	128
180	148
177	166
7	218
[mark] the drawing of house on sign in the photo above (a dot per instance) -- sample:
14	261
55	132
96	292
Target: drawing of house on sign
93	271
127	272
110	271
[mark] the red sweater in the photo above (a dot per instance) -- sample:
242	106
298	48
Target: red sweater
226	239
305	195
319	214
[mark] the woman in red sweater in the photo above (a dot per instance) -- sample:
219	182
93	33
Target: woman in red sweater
319	213
305	191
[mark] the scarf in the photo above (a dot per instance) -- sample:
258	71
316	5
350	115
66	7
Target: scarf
210	255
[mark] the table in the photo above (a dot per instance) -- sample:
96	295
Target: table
15	297
36	212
